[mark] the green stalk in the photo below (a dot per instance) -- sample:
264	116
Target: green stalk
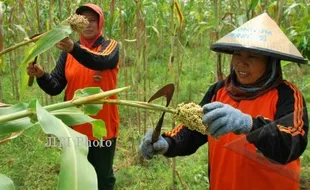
15	116
21	44
137	104
62	105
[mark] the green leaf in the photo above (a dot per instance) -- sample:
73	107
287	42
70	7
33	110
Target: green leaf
15	125
89	109
44	43
12	109
86	92
32	107
76	172
72	116
99	129
47	41
6	183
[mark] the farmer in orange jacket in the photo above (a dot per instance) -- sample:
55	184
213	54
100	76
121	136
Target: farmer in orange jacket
93	61
257	121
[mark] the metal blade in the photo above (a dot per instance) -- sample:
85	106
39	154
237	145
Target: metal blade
166	91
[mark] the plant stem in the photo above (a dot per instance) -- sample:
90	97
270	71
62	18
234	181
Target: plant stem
21	44
62	105
137	104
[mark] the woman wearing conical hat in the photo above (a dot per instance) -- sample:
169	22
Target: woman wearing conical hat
257	121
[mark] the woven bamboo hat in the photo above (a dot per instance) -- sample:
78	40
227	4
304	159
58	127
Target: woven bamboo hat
260	35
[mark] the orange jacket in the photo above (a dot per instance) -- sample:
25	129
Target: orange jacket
109	113
76	70
267	157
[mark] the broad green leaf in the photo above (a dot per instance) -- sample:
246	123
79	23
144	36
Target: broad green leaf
86	92
44	43
89	109
15	125
74	116
99	129
76	172
70	116
12	109
47	41
6	183
32	107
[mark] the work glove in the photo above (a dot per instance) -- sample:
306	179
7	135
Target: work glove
149	149
221	119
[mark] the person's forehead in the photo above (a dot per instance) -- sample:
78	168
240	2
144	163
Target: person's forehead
89	13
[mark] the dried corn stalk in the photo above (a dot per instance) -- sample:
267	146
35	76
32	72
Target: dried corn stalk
77	22
4	105
190	115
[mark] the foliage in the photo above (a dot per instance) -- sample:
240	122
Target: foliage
70	175
76	172
193	71
6	183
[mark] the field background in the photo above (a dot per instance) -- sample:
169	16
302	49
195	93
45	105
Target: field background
161	42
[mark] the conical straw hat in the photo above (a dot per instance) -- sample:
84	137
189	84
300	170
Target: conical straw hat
260	35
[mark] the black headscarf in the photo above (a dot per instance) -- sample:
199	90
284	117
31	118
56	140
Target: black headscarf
270	79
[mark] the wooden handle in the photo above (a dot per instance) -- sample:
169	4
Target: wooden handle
30	81
157	129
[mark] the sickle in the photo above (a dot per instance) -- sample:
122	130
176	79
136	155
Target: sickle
166	91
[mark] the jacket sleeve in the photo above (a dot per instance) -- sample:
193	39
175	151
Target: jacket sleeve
54	83
183	141
106	58
284	139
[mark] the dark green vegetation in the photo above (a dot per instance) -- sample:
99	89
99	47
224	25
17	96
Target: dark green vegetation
145	66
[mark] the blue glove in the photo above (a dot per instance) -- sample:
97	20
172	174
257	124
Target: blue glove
222	118
149	149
